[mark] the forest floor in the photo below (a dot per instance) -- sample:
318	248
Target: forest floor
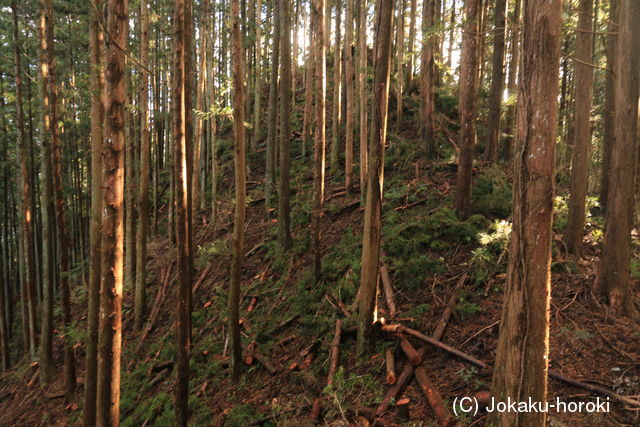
291	318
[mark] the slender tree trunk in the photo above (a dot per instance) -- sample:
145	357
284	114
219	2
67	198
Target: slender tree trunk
26	218
523	347
240	208
319	7
373	205
412	42
96	82
48	221
284	217
362	93
257	91
609	103
4	329
272	113
613	275
183	166
574	232
308	90
145	153
452	26
130	213
400	63
468	94
427	79
497	81
337	90
110	336
512	85
350	110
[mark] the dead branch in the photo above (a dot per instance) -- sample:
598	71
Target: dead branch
448	310
335	352
155	310
388	289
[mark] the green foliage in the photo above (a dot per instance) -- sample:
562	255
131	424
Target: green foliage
564	267
560	213
466	308
240	416
491	193
347	387
490	258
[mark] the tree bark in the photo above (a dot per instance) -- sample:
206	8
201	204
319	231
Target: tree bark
427	79
110	336
240	208
320	135
574	232
497	81
412	42
400	63
512	84
308	88
468	99
183	166
350	110
96	82
272	113
613	275
284	206
373	205
143	191
609	103
64	240
363	95
523	347
337	90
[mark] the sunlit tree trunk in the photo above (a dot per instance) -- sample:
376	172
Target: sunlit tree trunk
427	80
337	90
110	337
308	89
467	105
512	84
362	95
284	208
319	7
237	60
373	205
272	113
350	110
521	365
96	82
411	59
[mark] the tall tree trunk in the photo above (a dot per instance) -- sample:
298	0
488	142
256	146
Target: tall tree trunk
319	7
609	103
240	208
4	327
272	113
26	217
337	91
64	240
199	137
145	153
257	91
427	79
350	110
110	336
613	275
373	205
362	94
284	208
308	89
96	82
400	63
497	81
452	26
468	99
512	84
183	166
523	347
412	42
573	234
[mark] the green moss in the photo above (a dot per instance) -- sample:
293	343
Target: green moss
491	193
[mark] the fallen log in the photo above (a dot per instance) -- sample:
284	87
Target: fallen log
155	310
200	279
552	374
448	310
315	409
412	354
402	410
390	365
273	369
433	396
335	352
405	376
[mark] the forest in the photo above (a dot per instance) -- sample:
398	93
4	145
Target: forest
319	212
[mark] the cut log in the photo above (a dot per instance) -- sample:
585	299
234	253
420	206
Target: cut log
273	369
405	376
412	354
201	279
448	310
390	364
433	397
335	352
402	410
